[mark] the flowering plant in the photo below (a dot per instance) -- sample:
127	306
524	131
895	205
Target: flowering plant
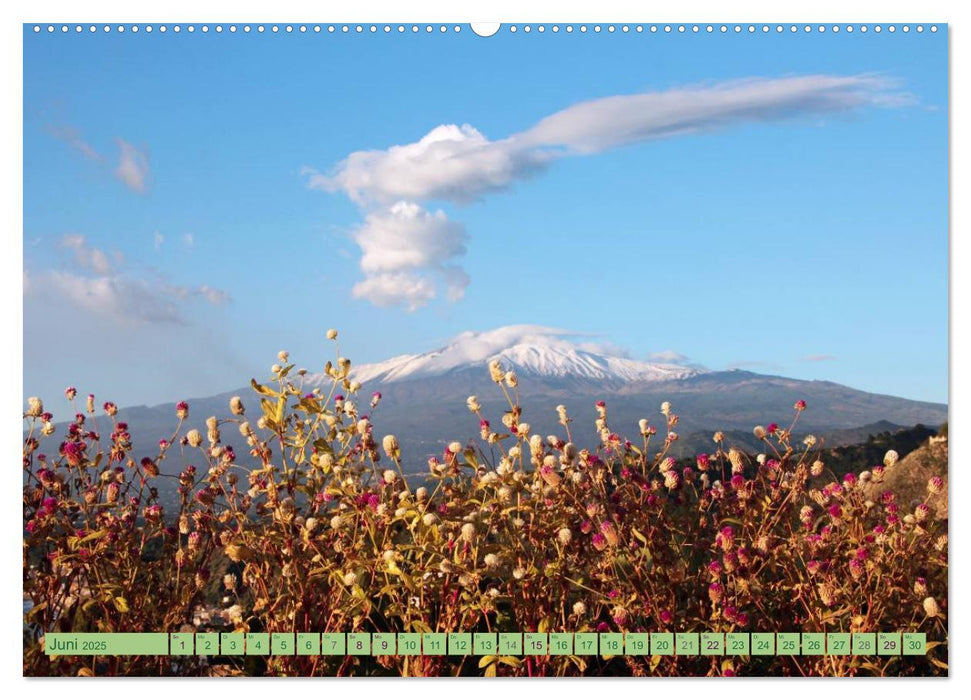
319	526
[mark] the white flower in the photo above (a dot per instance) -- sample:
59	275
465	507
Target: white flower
421	493
332	334
350	578
666	407
473	403
518	572
455	447
468	532
491	561
390	476
930	607
283	356
236	406
35	406
564	535
234	613
429	519
536	445
194	437
890	458
579	609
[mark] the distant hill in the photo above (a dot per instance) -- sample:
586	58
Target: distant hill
424	398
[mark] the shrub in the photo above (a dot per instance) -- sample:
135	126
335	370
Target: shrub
326	531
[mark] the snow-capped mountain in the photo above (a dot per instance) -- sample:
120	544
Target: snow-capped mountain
424	395
532	351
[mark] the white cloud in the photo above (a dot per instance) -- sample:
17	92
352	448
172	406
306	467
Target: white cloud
450	162
89	258
597	125
818	358
406	251
96	286
407	236
459	164
396	289
132	167
668	356
72	136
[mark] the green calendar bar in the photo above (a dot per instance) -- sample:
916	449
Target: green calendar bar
763	644
838	643
535	644
383	644
787	644
333	644
257	643
409	644
662	644
485	643
232	643
914	644
459	644
611	643
283	644
864	643
207	643
585	644
888	644
106	644
813	644
510	644
308	644
637	644
712	644
737	644
686	643
433	643
605	644
561	643
359	643
181	644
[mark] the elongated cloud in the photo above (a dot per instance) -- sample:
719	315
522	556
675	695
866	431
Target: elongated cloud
459	164
95	285
132	167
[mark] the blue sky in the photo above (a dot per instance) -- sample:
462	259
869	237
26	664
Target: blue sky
193	204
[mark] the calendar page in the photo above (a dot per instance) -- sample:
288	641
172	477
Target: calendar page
441	349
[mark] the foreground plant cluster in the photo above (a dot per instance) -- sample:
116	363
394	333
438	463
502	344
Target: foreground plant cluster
315	521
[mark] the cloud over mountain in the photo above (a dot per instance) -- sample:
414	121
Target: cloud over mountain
459	164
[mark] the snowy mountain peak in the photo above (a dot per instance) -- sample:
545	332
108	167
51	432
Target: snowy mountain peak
530	351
